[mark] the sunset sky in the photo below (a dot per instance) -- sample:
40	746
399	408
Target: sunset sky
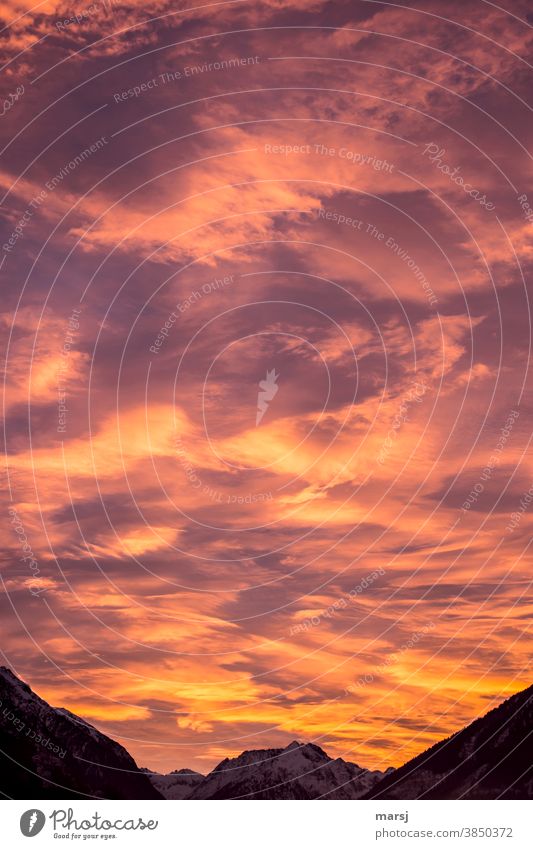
338	193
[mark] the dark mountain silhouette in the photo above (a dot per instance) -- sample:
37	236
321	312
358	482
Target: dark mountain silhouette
489	759
49	753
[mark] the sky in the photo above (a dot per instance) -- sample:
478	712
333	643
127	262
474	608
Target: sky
266	389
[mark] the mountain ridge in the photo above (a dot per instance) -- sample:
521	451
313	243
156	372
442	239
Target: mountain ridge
297	771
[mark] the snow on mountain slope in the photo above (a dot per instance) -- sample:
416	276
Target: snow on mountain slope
300	771
175	785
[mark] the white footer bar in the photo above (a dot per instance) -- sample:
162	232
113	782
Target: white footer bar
269	825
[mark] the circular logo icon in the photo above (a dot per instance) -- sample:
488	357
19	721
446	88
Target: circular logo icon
32	822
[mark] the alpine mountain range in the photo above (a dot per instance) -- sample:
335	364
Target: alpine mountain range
48	752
